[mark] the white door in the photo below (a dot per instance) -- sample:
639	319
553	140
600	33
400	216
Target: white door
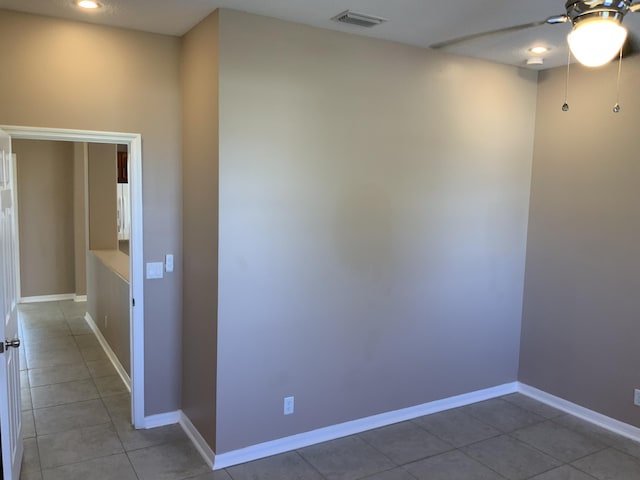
10	418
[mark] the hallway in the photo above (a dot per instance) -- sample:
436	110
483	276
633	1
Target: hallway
76	409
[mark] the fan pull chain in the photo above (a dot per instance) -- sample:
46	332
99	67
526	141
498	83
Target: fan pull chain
616	107
565	105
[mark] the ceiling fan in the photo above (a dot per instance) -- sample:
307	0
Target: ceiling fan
597	35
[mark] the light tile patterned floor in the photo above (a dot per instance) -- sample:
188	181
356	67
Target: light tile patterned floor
76	410
76	416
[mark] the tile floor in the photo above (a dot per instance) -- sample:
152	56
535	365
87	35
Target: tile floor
76	410
76	416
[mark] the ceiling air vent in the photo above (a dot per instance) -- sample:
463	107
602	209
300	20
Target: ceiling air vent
360	19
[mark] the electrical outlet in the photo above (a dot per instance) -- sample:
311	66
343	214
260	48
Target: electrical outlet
636	397
288	405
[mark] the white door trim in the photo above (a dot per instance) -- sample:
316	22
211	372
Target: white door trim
136	258
16	230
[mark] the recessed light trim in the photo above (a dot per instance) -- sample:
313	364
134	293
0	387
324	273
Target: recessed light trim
88	4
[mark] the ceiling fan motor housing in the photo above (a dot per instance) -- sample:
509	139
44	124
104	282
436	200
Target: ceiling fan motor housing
578	10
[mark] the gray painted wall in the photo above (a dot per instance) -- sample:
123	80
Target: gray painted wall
132	85
79	217
200	224
373	216
108	305
580	331
45	173
103	198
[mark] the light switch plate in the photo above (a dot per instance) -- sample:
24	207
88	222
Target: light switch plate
155	270
169	262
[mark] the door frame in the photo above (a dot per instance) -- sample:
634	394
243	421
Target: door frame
16	238
136	257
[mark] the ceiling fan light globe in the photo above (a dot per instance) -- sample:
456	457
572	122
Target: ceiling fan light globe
595	42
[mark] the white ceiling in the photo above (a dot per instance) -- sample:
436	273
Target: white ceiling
414	22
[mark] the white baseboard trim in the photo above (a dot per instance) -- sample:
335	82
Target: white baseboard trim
301	440
611	424
198	441
79	298
150	421
162	419
107	349
48	298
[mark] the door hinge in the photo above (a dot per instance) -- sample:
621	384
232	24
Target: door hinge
133	302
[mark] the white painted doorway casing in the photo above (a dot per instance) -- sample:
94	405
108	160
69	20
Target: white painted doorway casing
136	258
10	406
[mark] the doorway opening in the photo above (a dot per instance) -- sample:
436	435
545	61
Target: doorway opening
133	144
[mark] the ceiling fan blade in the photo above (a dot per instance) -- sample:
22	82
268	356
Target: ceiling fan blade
500	31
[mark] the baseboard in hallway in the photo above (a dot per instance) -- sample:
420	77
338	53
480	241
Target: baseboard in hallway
109	352
48	298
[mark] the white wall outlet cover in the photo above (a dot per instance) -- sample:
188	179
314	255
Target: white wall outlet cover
288	405
155	270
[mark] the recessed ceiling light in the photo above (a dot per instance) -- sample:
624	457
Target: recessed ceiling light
88	4
538	50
